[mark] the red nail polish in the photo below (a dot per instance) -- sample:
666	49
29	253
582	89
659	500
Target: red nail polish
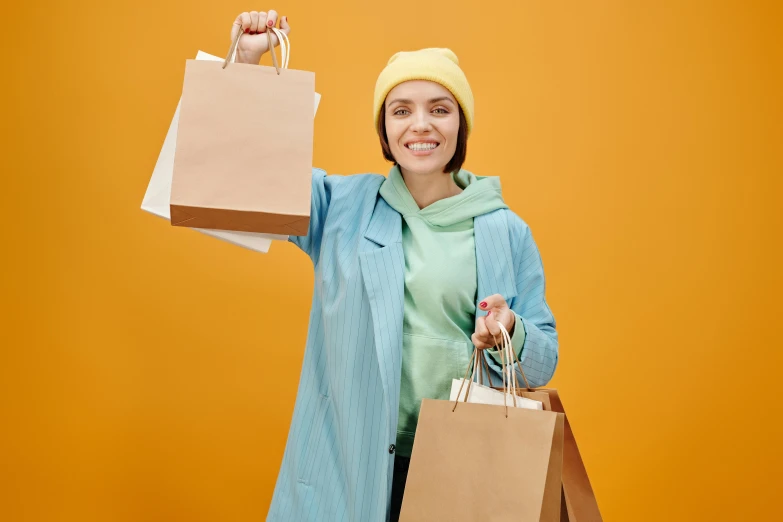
247	30
489	313
270	23
483	304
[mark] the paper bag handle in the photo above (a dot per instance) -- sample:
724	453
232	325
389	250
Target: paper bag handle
473	365
505	362
516	359
285	48
483	371
507	353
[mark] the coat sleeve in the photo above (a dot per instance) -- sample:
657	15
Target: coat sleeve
320	198
537	344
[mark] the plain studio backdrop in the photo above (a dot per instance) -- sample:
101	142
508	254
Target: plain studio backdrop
148	373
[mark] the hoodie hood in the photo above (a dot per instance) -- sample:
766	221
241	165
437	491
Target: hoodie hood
480	195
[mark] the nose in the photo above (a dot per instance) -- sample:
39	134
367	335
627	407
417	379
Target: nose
421	122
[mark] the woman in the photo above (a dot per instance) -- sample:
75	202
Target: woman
399	264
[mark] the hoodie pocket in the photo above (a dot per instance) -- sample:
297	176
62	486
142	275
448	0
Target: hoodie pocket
427	371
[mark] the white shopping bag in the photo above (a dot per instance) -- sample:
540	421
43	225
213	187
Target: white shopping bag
157	198
485	395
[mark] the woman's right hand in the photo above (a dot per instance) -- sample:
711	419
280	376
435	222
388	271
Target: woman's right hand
253	43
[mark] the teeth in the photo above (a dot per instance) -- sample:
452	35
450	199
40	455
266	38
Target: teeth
422	146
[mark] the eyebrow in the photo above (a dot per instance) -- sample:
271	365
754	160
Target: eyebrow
410	102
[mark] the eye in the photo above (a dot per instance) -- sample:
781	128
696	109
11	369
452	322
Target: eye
442	110
398	112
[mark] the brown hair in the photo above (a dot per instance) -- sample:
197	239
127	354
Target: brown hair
460	153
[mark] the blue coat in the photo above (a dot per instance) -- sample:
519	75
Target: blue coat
338	460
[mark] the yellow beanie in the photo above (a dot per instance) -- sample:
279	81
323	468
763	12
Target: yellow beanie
433	64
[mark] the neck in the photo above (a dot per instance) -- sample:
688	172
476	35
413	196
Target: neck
426	189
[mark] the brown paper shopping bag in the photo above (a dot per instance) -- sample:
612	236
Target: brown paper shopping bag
475	461
244	148
578	496
578	499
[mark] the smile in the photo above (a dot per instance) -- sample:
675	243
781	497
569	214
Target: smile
426	146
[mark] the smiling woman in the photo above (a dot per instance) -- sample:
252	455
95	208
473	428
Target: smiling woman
426	123
415	270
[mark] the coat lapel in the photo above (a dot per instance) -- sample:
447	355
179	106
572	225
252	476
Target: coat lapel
383	267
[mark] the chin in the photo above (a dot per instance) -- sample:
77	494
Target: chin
427	166
423	169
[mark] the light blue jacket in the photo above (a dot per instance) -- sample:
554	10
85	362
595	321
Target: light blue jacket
339	459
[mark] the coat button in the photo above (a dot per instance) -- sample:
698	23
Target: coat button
392	448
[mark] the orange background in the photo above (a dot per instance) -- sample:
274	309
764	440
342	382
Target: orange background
149	373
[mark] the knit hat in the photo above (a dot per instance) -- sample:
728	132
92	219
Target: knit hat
433	64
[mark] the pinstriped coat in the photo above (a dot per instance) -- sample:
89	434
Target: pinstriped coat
338	460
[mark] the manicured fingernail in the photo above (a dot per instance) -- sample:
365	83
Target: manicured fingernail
247	30
270	23
483	304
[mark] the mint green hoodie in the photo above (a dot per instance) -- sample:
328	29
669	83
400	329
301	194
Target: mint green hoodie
440	290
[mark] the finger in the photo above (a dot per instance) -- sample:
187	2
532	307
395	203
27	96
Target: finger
236	27
481	327
284	27
492	324
493	302
482	333
242	23
271	19
262	17
253	22
479	343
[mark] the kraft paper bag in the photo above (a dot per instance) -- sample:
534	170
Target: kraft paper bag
244	148
579	499
474	461
157	197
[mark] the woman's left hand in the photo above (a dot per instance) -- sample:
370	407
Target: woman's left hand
487	326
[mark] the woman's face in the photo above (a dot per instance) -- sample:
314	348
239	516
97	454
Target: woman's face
422	125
